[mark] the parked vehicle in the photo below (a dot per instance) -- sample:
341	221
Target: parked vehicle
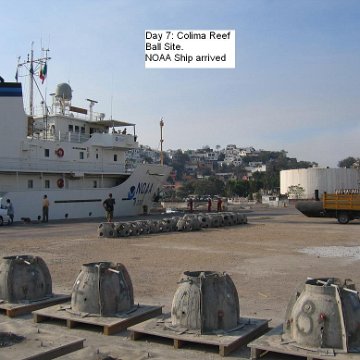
343	205
4	218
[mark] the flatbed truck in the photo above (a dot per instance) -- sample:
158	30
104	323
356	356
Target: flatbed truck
344	206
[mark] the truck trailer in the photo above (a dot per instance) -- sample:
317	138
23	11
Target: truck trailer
343	205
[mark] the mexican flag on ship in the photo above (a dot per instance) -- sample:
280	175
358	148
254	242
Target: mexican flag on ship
43	72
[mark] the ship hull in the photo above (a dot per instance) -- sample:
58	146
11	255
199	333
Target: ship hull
134	196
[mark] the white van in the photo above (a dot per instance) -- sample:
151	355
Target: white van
4	218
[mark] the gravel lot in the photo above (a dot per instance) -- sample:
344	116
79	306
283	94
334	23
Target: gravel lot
267	259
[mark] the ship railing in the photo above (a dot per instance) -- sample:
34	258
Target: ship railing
74	137
64	137
40	165
81	113
105	139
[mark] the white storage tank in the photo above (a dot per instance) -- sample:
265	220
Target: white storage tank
321	179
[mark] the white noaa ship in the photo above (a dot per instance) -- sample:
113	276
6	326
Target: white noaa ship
73	156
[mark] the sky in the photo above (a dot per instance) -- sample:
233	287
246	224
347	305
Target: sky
295	85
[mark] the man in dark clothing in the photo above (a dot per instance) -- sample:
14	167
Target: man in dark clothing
45	209
10	210
108	205
219	205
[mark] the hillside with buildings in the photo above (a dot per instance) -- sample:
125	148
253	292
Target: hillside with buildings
245	172
230	171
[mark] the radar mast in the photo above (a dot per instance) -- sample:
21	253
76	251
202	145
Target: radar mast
33	65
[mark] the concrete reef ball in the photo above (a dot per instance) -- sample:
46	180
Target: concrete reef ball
324	313
24	278
102	288
205	301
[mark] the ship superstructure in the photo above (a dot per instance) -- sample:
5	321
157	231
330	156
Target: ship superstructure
73	155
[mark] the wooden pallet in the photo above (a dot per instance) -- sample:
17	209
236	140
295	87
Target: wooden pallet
110	324
273	343
38	344
123	351
227	342
16	309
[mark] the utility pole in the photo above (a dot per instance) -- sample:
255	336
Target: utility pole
31	99
161	142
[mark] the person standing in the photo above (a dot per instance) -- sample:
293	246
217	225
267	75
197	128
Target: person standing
45	209
209	205
10	210
191	204
108	205
219	205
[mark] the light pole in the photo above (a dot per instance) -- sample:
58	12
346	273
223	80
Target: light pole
161	142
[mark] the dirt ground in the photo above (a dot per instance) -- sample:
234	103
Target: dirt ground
265	259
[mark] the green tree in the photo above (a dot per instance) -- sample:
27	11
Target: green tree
348	162
210	186
257	181
186	189
167	160
178	163
147	159
296	191
205	171
237	188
